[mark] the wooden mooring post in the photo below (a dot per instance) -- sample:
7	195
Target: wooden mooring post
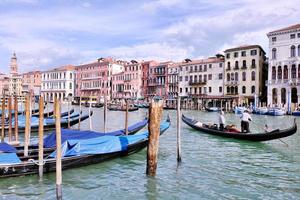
178	131
9	119
16	120
3	119
58	150
155	113
69	114
90	116
79	113
27	125
41	136
104	114
126	118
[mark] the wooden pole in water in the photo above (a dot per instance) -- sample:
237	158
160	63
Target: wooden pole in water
178	131
58	150
90	117
9	119
79	113
3	119
16	120
104	113
126	118
155	112
27	124
41	135
69	115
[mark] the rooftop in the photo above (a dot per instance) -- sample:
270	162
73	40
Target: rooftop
244	47
289	28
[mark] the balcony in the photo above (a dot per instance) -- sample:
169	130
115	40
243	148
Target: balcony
127	80
228	68
290	82
253	66
236	68
243	67
197	82
232	82
232	94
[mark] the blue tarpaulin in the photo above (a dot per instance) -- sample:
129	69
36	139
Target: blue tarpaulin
66	134
9	158
6	148
104	144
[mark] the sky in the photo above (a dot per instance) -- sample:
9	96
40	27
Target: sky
51	33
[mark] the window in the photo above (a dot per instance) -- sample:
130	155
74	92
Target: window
209	76
180	78
299	50
195	68
200	68
209	89
253	52
200	78
253	63
195	78
273	73
191	78
244	90
205	78
298	35
236	54
244	64
210	65
228	65
186	78
205	68
221	65
244	76
228	77
220	76
243	53
236	75
186	90
293	36
274	53
273	39
253	89
293	51
294	71
253	75
180	90
227	55
236	64
220	89
279	73
70	86
285	72
228	89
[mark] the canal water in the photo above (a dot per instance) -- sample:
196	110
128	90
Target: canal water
212	167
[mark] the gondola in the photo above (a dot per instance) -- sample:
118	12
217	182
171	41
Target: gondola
97	105
130	109
51	126
274	134
20	112
79	153
169	108
212	109
66	134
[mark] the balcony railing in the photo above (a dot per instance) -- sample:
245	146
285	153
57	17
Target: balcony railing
253	66
236	67
243	67
200	82
293	81
228	68
232	82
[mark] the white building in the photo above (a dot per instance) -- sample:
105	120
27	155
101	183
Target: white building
244	68
284	66
199	78
15	80
59	82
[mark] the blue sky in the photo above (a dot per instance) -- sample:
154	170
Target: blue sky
51	33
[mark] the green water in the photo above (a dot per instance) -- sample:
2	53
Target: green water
212	167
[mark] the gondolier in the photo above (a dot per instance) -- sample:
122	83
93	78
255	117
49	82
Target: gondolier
245	122
221	120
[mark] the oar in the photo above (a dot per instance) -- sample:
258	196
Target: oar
278	138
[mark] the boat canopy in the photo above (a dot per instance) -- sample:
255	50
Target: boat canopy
9	158
6	148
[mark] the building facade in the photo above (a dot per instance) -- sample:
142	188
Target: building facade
284	67
31	83
118	86
133	80
94	79
15	80
59	82
244	67
172	80
146	65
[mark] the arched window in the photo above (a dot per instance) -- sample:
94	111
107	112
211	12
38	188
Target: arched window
228	89
299	50
253	63
236	90
244	64
285	72
232	76
236	76
236	64
279	73
253	89
228	77
253	75
244	89
293	51
299	71
244	76
232	90
274	52
228	65
294	75
200	78
273	73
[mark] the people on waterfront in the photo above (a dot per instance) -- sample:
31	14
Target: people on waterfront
221	120
245	118
266	128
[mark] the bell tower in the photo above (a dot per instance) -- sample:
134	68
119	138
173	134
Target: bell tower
13	64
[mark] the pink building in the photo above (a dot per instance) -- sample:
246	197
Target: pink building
145	76
94	79
133	80
31	82
118	86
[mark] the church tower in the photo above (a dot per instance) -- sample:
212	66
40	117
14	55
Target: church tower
13	64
